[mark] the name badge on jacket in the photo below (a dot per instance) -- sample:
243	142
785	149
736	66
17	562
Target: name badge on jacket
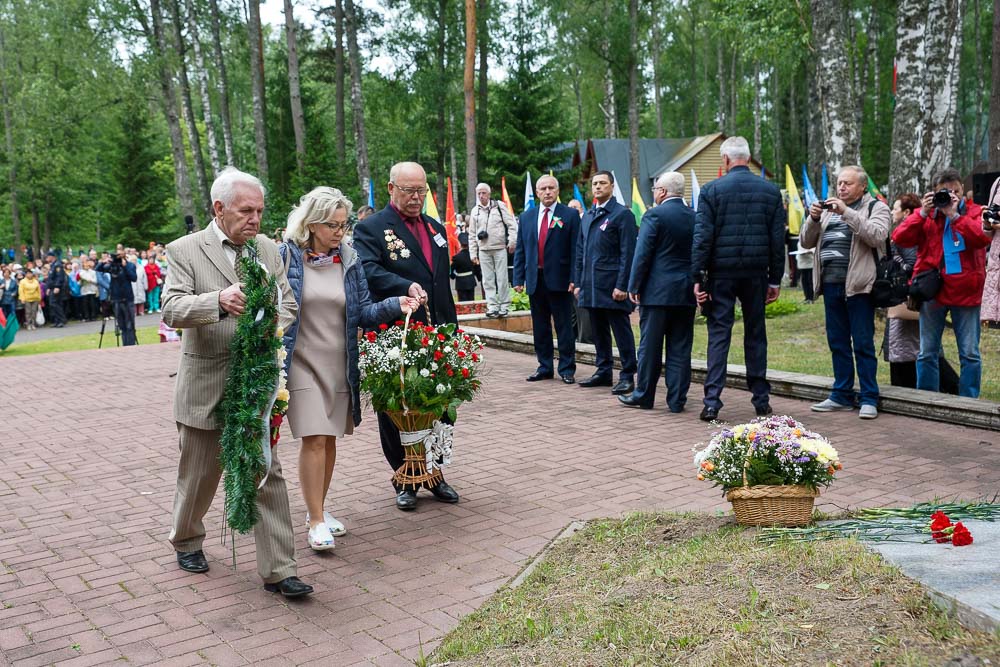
440	241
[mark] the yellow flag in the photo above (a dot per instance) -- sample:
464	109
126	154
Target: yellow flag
430	206
795	211
638	206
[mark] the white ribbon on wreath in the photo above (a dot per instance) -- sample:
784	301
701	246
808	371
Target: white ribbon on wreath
437	442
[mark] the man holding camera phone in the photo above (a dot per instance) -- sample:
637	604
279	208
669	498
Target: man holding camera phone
492	235
949	275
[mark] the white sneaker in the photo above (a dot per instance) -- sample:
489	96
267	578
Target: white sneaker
830	405
320	538
868	412
336	527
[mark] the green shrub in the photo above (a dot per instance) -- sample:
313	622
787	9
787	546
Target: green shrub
519	301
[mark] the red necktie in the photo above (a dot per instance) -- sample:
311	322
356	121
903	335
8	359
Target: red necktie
543	233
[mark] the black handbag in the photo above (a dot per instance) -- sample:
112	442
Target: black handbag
926	285
890	287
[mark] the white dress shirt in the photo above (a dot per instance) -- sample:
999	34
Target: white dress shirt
541	212
228	249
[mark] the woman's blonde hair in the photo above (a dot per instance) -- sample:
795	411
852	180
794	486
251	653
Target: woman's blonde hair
314	207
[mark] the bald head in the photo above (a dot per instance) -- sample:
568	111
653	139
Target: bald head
408	187
547	190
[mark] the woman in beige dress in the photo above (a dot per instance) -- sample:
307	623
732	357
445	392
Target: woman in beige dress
322	344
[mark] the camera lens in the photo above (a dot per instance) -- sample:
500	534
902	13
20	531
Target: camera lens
942	198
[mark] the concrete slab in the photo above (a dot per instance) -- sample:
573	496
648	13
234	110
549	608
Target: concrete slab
964	581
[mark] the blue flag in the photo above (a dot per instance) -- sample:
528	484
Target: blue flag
371	194
577	195
824	185
807	188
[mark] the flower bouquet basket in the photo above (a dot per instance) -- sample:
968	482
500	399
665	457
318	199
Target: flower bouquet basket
770	469
419	374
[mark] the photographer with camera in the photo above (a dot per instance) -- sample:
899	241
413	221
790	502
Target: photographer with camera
948	277
848	232
990	313
122	299
492	235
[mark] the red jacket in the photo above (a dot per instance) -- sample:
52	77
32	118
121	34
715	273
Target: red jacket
153	275
958	289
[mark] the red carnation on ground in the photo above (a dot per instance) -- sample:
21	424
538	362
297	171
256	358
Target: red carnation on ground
939	523
961	536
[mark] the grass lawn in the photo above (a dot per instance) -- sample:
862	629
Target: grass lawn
145	335
698	590
797	342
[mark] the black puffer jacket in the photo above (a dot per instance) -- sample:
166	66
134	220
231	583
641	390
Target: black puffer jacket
740	229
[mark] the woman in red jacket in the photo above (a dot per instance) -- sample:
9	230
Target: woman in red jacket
154	280
951	240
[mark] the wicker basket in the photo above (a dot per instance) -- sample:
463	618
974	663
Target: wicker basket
789	505
413	473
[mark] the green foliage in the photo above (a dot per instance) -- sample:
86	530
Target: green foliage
781	307
253	376
519	300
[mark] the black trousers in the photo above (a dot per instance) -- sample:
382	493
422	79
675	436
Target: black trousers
806	276
720	313
392	446
125	319
602	322
547	309
57	311
582	324
90	306
674	326
466	294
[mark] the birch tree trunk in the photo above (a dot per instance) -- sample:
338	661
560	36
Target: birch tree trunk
36	242
257	86
813	120
339	83
837	97
720	73
756	111
194	139
578	94
158	45
633	86
357	100
994	154
8	132
608	107
471	173
222	85
294	90
201	79
655	52
923	129
734	94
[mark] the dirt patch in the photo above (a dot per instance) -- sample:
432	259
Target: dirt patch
690	590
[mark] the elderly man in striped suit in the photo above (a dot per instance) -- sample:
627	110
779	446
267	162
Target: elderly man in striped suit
203	296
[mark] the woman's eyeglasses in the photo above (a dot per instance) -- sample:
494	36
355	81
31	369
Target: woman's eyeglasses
333	227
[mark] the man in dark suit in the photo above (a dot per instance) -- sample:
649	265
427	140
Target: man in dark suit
406	253
543	262
738	252
660	285
603	264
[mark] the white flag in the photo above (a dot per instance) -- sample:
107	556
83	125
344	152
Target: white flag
529	193
695	191
618	192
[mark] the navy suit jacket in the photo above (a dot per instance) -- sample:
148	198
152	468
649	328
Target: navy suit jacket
560	249
661	267
604	256
388	276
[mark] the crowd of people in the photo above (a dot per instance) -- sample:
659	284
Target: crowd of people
66	286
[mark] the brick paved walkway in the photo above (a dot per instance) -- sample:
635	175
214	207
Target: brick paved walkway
87	477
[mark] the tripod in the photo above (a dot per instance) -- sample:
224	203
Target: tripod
104	322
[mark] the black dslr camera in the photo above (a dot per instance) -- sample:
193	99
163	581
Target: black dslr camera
991	216
482	235
942	198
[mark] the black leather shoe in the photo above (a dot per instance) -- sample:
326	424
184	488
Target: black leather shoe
623	387
596	381
192	561
629	402
567	379
406	500
764	411
536	376
443	492
290	587
708	414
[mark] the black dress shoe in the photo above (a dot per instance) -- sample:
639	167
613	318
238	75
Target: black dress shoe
629	402
537	375
567	379
406	499
443	492
623	387
192	561
764	410
290	587
596	381
709	414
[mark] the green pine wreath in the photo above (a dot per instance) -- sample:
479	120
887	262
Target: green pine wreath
253	376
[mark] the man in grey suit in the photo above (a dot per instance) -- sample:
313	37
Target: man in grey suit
203	296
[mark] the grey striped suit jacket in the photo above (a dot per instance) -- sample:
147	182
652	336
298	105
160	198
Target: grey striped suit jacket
198	271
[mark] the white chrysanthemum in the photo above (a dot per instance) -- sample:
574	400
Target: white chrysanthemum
425	373
441	389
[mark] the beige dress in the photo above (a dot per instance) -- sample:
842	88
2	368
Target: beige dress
320	398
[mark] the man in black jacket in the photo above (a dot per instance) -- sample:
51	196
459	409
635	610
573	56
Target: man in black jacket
738	253
406	253
122	299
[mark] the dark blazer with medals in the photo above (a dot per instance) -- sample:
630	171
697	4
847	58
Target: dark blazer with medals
604	256
391	268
